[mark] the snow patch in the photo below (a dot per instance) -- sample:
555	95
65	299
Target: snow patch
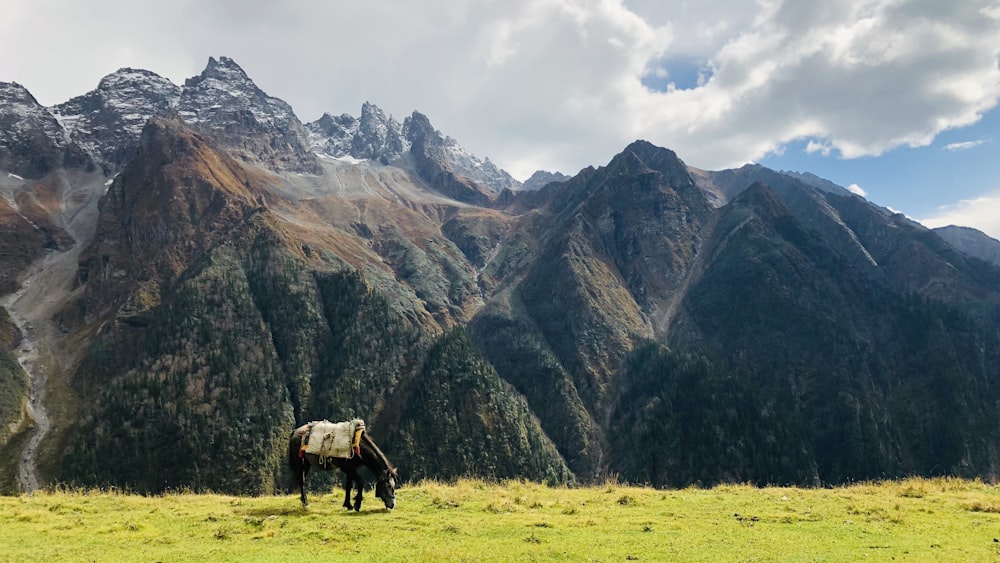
350	159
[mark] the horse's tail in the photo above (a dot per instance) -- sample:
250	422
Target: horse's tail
294	461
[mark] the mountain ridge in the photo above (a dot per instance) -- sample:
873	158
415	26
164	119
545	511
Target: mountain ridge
226	272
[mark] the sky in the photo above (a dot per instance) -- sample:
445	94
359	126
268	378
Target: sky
896	99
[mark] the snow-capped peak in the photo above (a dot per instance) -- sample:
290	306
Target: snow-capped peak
375	136
32	140
223	92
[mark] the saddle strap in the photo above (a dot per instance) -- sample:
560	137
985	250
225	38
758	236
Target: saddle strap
304	442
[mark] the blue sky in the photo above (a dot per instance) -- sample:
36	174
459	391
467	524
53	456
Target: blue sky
928	183
865	92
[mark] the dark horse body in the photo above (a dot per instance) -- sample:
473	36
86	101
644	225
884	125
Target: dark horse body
370	456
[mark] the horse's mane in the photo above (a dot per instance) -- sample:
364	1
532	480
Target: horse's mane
378	453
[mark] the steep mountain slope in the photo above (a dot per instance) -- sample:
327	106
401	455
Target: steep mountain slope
593	272
217	327
818	371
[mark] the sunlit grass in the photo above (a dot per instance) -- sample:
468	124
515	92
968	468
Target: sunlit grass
909	520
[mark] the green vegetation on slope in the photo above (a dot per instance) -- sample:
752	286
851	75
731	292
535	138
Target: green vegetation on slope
202	391
462	419
857	381
200	404
911	520
518	353
685	419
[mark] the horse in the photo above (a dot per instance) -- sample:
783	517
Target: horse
369	455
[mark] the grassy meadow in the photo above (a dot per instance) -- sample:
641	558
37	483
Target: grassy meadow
910	520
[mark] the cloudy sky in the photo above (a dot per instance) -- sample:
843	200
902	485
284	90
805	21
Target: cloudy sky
895	98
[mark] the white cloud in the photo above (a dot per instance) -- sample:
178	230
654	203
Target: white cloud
816	146
964	145
557	84
982	213
857	190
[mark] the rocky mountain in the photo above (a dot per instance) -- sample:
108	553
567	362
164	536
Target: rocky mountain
106	122
542	178
32	141
373	136
189	291
258	127
972	242
33	146
437	158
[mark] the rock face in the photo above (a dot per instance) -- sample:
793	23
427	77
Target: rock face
439	160
260	128
244	273
372	137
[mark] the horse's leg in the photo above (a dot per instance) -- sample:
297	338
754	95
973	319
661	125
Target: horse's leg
298	467
348	481
361	487
303	471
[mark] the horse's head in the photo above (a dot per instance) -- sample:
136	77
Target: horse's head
385	488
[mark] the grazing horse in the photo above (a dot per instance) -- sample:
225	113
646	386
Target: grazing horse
369	455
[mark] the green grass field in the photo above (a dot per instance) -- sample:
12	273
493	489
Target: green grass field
911	520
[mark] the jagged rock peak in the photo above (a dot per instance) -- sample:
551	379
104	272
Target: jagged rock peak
264	129
379	136
223	92
332	135
656	158
542	178
223	69
107	121
417	129
375	136
643	155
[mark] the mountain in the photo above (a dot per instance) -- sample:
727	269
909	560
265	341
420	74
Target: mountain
33	147
542	178
190	290
107	121
260	128
972	242
437	158
32	141
373	136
